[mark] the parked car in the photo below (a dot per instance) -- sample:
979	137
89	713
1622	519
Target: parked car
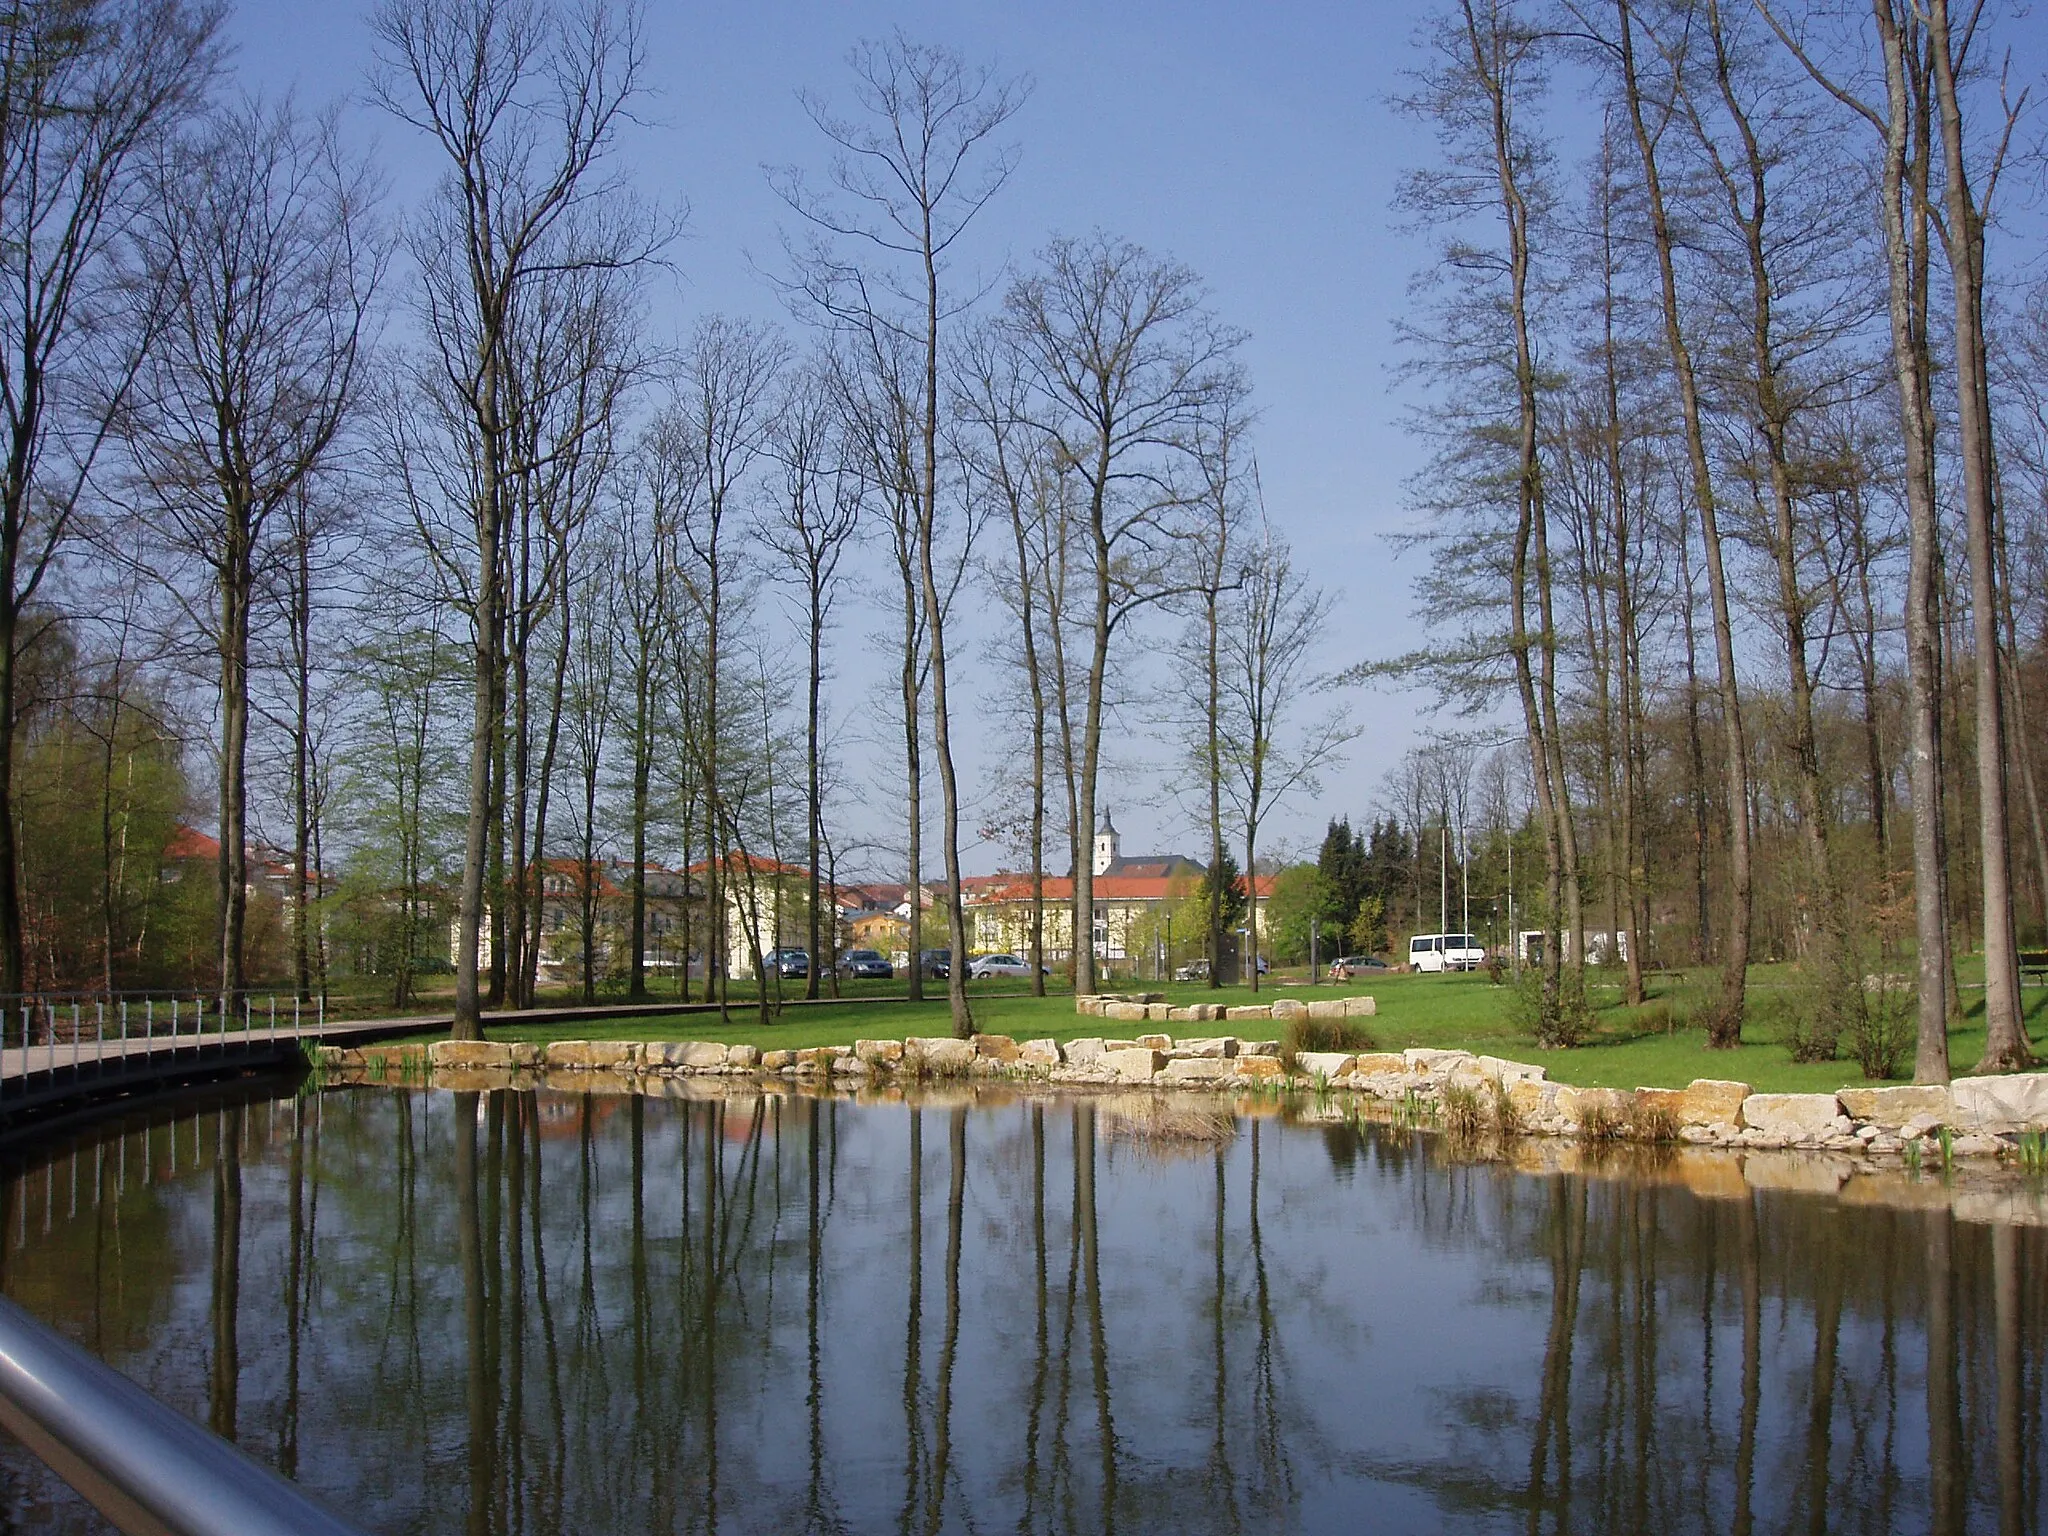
1194	970
985	966
788	962
1440	952
866	965
1345	967
937	964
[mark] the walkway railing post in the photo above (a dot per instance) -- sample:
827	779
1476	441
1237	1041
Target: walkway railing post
75	1048
50	1034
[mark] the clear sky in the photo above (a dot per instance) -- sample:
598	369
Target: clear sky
1254	143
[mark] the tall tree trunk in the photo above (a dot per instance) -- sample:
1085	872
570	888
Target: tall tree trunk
1725	1025
2005	1044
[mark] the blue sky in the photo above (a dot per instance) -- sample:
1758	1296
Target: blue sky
1254	143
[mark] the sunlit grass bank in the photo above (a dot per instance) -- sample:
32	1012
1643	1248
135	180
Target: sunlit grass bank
1654	1046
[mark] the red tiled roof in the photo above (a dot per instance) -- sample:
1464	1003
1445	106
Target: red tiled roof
191	843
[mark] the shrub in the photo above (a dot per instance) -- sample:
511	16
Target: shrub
1883	1029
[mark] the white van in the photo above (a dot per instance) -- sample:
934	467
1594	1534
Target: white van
1445	952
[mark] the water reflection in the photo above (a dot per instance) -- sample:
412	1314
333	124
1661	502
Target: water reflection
515	1312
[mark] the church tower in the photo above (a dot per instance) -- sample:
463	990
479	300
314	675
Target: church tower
1107	850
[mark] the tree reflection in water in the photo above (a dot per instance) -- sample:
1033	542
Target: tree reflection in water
676	1315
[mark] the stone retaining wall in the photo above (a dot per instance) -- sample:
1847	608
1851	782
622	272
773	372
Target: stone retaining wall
1977	1117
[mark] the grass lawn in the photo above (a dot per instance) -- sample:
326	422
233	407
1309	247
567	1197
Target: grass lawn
1627	1048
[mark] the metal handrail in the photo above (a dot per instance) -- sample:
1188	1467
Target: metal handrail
149	1470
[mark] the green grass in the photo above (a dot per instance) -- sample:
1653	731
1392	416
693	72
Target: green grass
1626	1048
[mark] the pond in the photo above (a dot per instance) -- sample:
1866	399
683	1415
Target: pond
511	1312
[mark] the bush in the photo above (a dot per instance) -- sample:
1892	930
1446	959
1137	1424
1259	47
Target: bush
1557	1027
1298	1035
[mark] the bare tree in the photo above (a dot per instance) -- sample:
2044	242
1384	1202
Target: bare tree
1273	623
808	520
258	237
524	100
86	89
1124	361
908	177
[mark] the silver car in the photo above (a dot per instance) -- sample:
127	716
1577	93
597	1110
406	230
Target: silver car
984	966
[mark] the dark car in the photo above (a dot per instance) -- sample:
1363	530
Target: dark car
1346	967
935	963
866	965
788	962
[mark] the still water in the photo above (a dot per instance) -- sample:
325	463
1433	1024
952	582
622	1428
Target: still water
548	1312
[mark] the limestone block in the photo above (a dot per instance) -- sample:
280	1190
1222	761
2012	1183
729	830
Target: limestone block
1328	1064
1158	1013
938	1053
996	1048
1125	1012
1360	1008
1893	1107
1977	1144
850	1066
1081	1053
743	1057
1439	1062
1122	1045
1532	1100
471	1055
1148	998
1218	1045
593	1055
1156	1042
1376	1063
1198	1069
1249	1014
1039	1053
1258	1048
1285	1008
1184	1015
526	1054
2012	1103
1918	1126
698	1055
1791	1115
879	1053
1498	1067
1712	1101
1259	1067
775	1061
1134	1066
1326	1008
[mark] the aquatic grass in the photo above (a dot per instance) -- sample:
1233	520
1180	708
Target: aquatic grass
1464	1115
1599	1123
2033	1151
1946	1140
1507	1120
1303	1034
1656	1123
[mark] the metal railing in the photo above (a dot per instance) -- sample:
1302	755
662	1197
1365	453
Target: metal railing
149	1470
